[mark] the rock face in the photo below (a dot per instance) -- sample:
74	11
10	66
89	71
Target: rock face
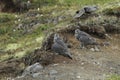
60	47
33	70
53	72
84	38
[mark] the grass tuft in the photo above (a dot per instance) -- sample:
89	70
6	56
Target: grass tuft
114	77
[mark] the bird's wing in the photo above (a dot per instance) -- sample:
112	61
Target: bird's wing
79	13
87	39
84	33
68	55
64	51
60	42
59	48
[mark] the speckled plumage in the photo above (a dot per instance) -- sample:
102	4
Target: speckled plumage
84	38
60	47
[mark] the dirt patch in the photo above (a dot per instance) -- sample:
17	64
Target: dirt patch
86	64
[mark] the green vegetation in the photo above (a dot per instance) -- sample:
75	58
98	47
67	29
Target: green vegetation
17	43
84	2
72	2
112	11
114	77
6	21
6	17
13	43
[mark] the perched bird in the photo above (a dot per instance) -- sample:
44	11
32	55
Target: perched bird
90	9
84	38
60	47
79	13
85	10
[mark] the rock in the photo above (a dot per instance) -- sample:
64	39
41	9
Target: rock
35	68
9	78
108	36
55	64
92	49
36	74
82	63
53	72
96	49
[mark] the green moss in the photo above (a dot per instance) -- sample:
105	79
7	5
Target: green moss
114	77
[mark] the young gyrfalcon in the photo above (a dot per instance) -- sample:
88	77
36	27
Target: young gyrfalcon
84	38
60	47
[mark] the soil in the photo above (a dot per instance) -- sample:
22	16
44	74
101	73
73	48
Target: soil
86	64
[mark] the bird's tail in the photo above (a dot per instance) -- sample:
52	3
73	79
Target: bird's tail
68	55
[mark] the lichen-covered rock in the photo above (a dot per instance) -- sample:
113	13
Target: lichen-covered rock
30	70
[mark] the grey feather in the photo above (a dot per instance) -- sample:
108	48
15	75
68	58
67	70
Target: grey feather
85	10
60	47
90	9
79	13
84	38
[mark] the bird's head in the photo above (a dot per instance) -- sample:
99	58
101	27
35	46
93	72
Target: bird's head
56	36
77	31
